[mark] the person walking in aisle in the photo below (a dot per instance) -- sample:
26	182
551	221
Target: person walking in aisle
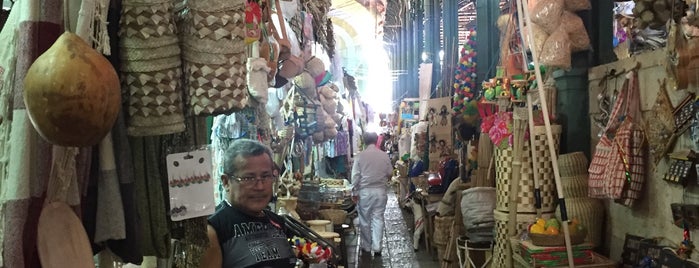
371	170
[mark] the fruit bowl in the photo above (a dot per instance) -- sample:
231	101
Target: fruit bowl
546	240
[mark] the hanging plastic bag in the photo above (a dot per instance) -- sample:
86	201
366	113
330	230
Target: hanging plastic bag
547	14
556	50
577	34
578	5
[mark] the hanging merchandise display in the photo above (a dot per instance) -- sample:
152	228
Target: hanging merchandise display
322	25
151	68
190	184
465	82
76	102
214	56
617	168
659	125
253	18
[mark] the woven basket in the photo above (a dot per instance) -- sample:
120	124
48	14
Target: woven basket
575	186
155	102
572	164
216	5
146	20
138	54
442	228
590	213
151	65
336	216
556	240
547	184
215	89
502	251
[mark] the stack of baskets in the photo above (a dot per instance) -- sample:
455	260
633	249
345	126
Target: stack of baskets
151	68
589	211
526	212
214	53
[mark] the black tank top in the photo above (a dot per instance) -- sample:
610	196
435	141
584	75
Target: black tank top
247	241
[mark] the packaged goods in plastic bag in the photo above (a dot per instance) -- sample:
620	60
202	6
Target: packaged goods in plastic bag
556	50
540	37
577	5
547	14
577	34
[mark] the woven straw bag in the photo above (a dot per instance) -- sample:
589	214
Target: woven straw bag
215	57
155	102
151	68
216	5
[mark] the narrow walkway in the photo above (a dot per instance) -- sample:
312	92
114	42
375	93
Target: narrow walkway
397	243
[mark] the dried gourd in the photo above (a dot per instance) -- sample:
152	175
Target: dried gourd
72	93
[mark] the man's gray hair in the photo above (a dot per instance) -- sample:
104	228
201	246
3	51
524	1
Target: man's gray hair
242	148
370	138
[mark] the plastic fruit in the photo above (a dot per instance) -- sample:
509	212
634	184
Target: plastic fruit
552	230
72	93
537	229
553	222
541	222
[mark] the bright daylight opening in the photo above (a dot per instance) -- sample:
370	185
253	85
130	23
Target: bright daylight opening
378	91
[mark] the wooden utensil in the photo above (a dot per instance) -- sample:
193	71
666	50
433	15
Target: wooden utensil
62	240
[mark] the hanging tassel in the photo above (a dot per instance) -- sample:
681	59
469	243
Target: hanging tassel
101	35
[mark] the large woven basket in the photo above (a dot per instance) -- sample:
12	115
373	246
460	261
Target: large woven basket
502	251
151	75
525	195
572	164
575	186
590	213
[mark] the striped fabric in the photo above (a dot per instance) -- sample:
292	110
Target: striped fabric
617	168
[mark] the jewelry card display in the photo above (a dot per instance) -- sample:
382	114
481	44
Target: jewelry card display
190	183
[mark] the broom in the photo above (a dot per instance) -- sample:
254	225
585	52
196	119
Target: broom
524	14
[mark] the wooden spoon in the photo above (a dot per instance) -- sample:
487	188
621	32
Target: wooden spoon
62	240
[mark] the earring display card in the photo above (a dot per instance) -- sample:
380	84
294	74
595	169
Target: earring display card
190	184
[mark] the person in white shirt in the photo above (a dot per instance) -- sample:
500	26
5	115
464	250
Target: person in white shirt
371	170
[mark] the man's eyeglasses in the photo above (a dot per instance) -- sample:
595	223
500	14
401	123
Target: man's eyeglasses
254	179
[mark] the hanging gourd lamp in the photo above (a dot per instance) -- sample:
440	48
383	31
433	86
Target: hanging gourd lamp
72	93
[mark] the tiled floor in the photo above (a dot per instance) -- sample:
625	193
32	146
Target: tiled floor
397	248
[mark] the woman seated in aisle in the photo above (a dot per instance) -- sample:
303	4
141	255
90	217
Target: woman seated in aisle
242	232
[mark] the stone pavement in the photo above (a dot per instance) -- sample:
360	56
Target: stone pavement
397	244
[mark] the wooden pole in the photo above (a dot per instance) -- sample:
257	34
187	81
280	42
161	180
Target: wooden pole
549	136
